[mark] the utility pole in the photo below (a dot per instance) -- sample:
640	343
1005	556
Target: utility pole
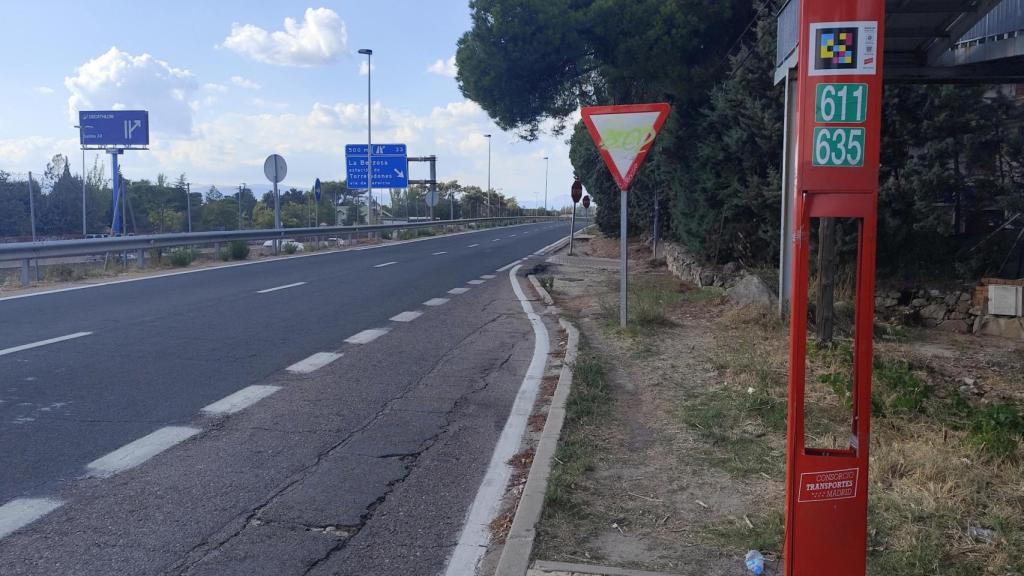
369	135
31	206
188	204
488	136
545	185
240	188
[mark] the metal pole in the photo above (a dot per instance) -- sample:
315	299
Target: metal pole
188	204
623	260
545	185
277	213
31	207
240	206
656	209
369	137
572	227
115	225
488	175
84	232
788	215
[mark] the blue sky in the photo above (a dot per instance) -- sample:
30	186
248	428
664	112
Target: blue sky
229	82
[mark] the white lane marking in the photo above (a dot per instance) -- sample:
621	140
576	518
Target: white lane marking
436	302
313	363
472	245
476	282
240	400
276	288
457	291
496	239
438	253
509	265
475	532
406	316
385	264
249	263
132	454
512	236
488	276
367	336
7	351
21	512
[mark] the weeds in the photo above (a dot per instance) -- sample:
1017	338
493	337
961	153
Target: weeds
589	402
996	430
239	250
290	248
547	283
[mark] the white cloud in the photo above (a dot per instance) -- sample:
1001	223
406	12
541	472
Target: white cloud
444	68
321	38
117	80
243	82
43	90
213	87
364	68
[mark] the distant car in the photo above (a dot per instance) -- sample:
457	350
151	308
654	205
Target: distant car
298	245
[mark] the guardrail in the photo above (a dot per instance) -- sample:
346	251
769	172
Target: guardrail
27	251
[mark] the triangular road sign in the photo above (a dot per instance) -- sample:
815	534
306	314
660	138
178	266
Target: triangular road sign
624	134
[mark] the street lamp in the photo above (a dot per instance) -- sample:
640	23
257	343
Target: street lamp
80	128
369	135
545	185
488	136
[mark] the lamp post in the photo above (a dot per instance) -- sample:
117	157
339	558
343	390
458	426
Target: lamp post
188	204
545	185
80	128
488	136
369	135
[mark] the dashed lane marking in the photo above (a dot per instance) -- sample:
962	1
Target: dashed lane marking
313	363
131	455
21	512
406	316
276	288
436	302
367	336
240	400
457	291
7	351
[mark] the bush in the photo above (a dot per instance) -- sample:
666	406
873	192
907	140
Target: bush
996	430
291	248
181	257
239	250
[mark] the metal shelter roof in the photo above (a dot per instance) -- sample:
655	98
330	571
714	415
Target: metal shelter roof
975	41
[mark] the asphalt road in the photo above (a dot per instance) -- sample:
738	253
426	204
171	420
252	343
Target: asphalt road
366	465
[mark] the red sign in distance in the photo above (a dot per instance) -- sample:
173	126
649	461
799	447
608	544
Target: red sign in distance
586	202
576	191
624	135
838	135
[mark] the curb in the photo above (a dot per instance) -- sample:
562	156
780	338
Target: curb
540	290
515	556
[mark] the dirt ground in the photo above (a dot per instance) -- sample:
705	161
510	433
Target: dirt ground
685	471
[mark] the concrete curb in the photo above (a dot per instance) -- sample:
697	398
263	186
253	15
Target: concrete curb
540	290
573	568
515	556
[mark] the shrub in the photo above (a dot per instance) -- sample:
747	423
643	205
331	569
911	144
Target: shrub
291	248
181	257
239	250
996	430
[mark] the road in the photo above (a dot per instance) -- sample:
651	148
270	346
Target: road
379	396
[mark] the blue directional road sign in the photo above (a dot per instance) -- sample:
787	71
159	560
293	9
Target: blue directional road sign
114	128
316	189
390	166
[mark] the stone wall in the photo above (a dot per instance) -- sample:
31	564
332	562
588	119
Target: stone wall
951	309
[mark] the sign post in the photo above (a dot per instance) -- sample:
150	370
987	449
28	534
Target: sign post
623	136
838	125
275	169
114	131
577	194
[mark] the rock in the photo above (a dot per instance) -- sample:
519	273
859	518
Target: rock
707	278
974	311
880	302
934	312
965	297
918	302
935	294
892	294
951	299
751	290
984	535
963	307
969	381
957	315
1012	328
730	268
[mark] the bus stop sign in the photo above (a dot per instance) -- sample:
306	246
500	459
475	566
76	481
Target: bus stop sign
838	129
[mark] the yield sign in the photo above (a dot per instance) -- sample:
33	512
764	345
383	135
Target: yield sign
624	134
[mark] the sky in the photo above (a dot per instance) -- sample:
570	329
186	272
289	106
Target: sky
227	83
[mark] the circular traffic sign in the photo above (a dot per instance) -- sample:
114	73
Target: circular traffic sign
431	198
577	191
275	168
586	202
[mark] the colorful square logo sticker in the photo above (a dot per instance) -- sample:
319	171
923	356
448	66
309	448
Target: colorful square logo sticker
843	48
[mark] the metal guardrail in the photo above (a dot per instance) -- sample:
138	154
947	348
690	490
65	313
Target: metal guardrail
26	251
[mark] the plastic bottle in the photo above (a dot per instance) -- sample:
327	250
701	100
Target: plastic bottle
755	562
